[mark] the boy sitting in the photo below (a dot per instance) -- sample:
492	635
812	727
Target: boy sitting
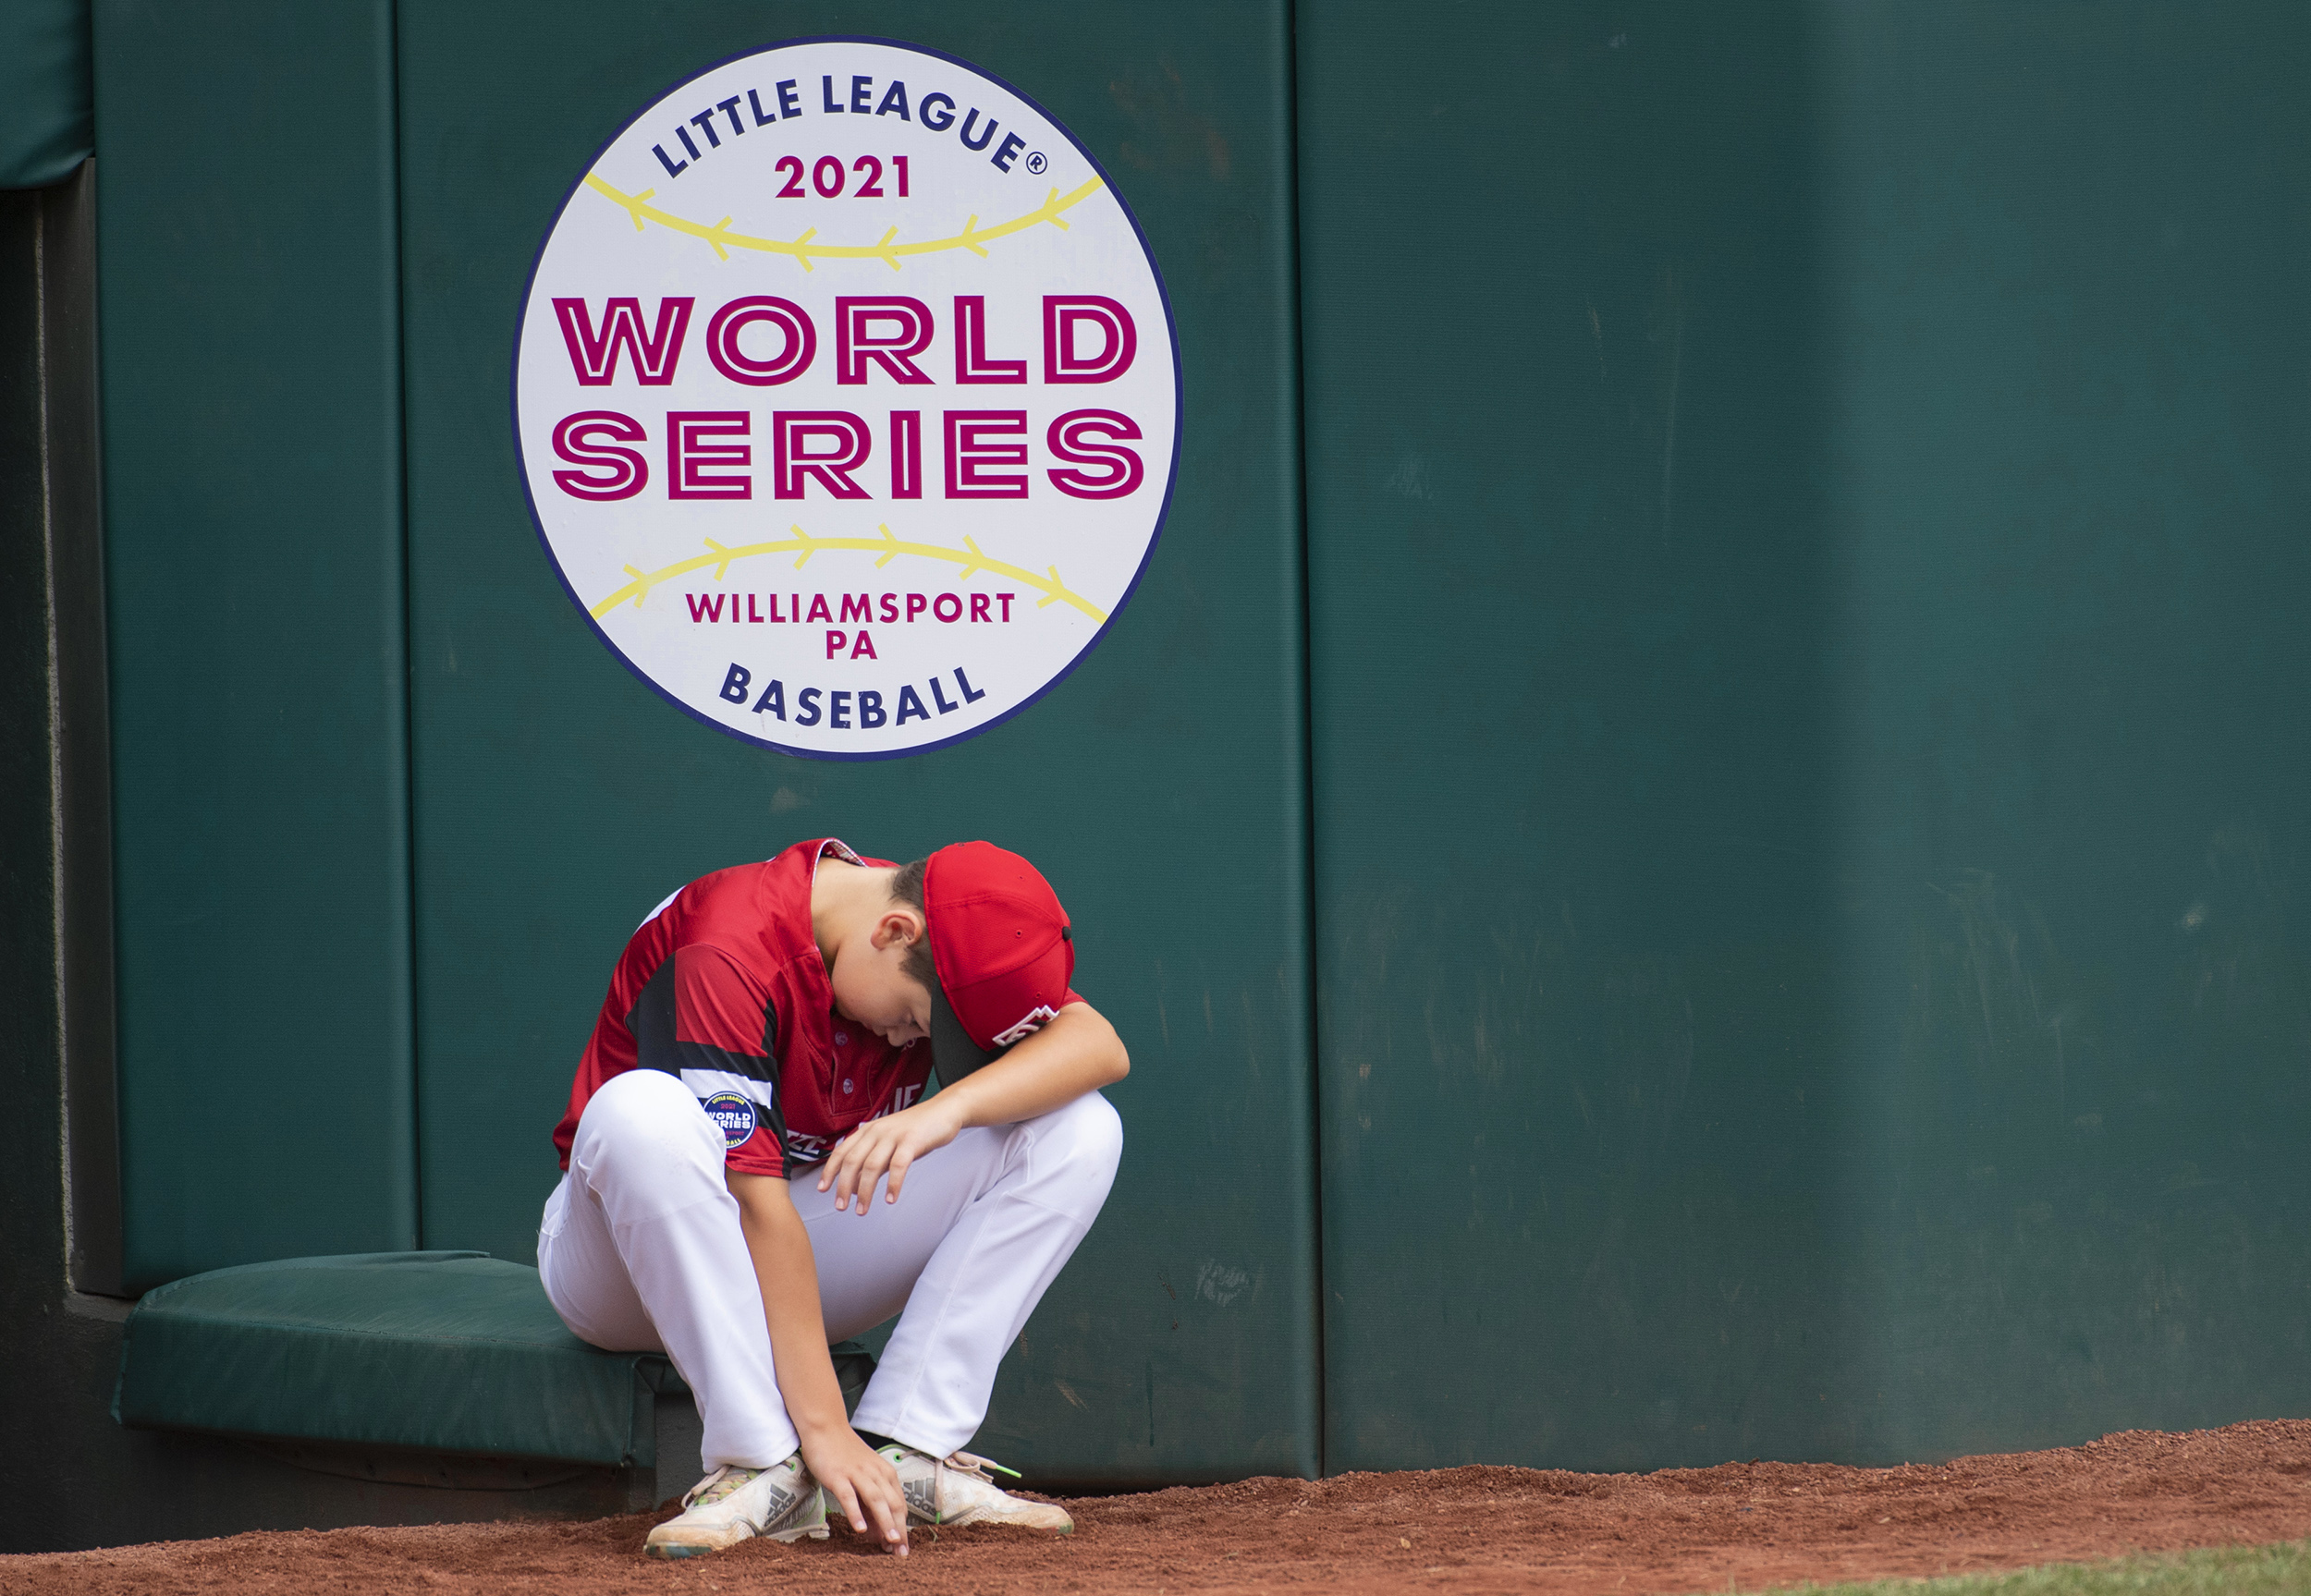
753	1074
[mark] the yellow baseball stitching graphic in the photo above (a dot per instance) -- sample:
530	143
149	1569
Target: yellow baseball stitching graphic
802	546
724	240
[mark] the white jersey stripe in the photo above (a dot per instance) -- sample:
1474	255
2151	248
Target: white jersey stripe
704	1083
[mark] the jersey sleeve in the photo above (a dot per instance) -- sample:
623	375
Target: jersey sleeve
703	1018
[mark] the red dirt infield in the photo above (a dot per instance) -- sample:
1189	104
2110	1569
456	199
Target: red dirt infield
1454	1531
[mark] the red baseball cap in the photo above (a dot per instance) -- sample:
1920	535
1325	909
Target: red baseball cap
1003	950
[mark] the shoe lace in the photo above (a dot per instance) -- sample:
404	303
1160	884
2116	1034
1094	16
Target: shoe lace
967	1463
718	1485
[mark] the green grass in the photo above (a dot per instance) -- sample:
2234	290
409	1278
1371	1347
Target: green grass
2281	1570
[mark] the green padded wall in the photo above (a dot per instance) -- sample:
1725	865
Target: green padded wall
1806	513
253	486
1160	786
1805	539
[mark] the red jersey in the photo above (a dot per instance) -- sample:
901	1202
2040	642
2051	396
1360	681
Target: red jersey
724	986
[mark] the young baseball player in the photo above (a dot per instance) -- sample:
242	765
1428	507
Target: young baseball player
753	1078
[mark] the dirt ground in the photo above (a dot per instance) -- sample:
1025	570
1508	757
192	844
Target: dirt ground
1455	1530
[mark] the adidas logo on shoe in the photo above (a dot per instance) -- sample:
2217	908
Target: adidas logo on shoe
782	1502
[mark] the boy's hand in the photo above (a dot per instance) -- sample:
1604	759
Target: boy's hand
861	1483
886	1147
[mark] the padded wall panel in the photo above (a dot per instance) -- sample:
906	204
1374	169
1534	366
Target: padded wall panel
252	480
2074	806
1159	786
1806	519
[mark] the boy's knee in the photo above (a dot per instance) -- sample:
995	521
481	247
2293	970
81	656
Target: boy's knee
1090	1133
645	1115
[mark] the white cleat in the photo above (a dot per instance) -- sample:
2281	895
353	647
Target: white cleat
782	1502
959	1490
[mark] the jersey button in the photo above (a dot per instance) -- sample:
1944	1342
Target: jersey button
842	1039
846	1085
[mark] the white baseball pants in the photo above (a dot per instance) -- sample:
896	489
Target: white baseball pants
642	1251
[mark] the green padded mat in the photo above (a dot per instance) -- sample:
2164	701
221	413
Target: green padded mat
445	1351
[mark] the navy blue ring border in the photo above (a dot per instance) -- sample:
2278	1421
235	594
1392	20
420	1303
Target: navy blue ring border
1178	403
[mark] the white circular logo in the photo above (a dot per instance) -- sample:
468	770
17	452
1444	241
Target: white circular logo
732	1115
847	398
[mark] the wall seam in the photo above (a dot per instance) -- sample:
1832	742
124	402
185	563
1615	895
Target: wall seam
408	653
41	353
1307	733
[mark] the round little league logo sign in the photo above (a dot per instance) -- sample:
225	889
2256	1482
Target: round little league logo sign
847	398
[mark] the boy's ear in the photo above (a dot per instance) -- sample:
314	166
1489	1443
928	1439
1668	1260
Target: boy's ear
899	924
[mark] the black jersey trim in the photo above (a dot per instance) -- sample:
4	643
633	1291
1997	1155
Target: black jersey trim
652	1020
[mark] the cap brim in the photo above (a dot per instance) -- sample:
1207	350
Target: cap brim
953	1053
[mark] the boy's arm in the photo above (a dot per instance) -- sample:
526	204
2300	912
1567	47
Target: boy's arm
1074	1052
862	1482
